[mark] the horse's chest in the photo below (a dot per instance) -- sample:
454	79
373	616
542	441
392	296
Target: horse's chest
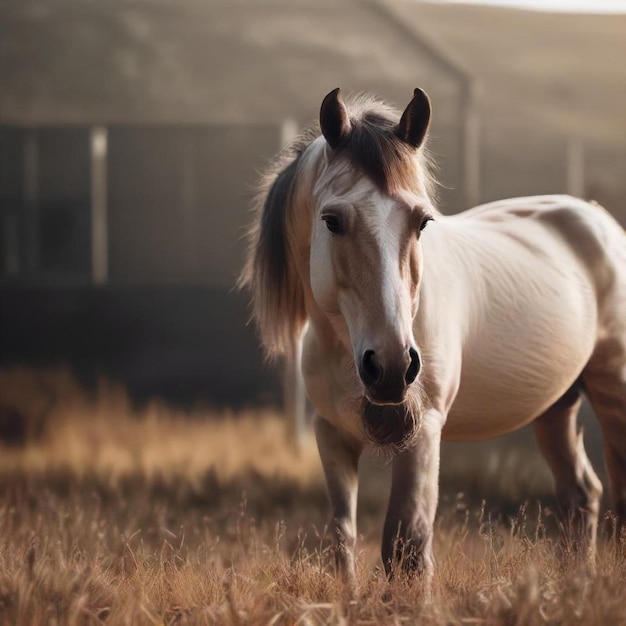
332	389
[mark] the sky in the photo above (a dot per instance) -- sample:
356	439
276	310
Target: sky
565	6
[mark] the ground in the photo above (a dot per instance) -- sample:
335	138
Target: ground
120	514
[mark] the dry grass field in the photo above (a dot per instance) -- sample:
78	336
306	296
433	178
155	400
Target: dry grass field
118	514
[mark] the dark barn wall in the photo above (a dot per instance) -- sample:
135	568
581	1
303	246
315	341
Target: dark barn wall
181	343
64	202
169	321
45	203
179	200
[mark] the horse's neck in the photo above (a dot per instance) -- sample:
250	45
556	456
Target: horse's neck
451	284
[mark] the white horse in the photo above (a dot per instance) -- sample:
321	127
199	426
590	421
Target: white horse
473	327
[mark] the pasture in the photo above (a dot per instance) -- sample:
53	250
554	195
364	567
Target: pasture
123	514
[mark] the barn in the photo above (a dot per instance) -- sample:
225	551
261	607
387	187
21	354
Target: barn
131	135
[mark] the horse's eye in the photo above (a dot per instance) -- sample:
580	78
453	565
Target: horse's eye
425	221
334	224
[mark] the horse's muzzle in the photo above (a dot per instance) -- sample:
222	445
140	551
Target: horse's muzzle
387	383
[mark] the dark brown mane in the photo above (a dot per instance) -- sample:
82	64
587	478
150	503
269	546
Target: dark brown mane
269	272
375	149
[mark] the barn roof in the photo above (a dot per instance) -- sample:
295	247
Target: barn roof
259	61
197	60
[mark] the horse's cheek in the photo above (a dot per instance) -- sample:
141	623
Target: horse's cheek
323	282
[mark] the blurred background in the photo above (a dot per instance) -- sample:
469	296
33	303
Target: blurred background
132	133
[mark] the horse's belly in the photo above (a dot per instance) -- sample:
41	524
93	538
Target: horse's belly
492	419
525	352
504	391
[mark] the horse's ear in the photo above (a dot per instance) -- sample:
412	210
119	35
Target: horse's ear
334	119
413	124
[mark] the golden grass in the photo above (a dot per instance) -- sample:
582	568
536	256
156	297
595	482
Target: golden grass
121	515
101	432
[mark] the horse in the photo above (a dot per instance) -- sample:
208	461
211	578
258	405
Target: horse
416	327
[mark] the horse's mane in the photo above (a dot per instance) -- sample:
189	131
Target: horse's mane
270	272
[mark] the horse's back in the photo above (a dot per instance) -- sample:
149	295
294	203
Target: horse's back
586	229
582	240
561	208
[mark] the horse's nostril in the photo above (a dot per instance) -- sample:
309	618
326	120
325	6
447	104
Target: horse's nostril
371	371
414	366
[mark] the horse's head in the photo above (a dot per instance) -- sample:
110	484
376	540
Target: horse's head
365	258
336	241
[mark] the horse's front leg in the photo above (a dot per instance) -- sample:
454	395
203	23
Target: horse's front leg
408	531
340	459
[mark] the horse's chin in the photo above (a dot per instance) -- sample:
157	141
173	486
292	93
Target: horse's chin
390	426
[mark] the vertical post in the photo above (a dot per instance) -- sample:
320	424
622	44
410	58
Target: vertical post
575	167
470	147
30	167
288	131
294	396
99	207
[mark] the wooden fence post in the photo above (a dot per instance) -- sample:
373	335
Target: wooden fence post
99	207
575	167
295	399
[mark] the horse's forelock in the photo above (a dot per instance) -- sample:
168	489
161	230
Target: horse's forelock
374	148
384	158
